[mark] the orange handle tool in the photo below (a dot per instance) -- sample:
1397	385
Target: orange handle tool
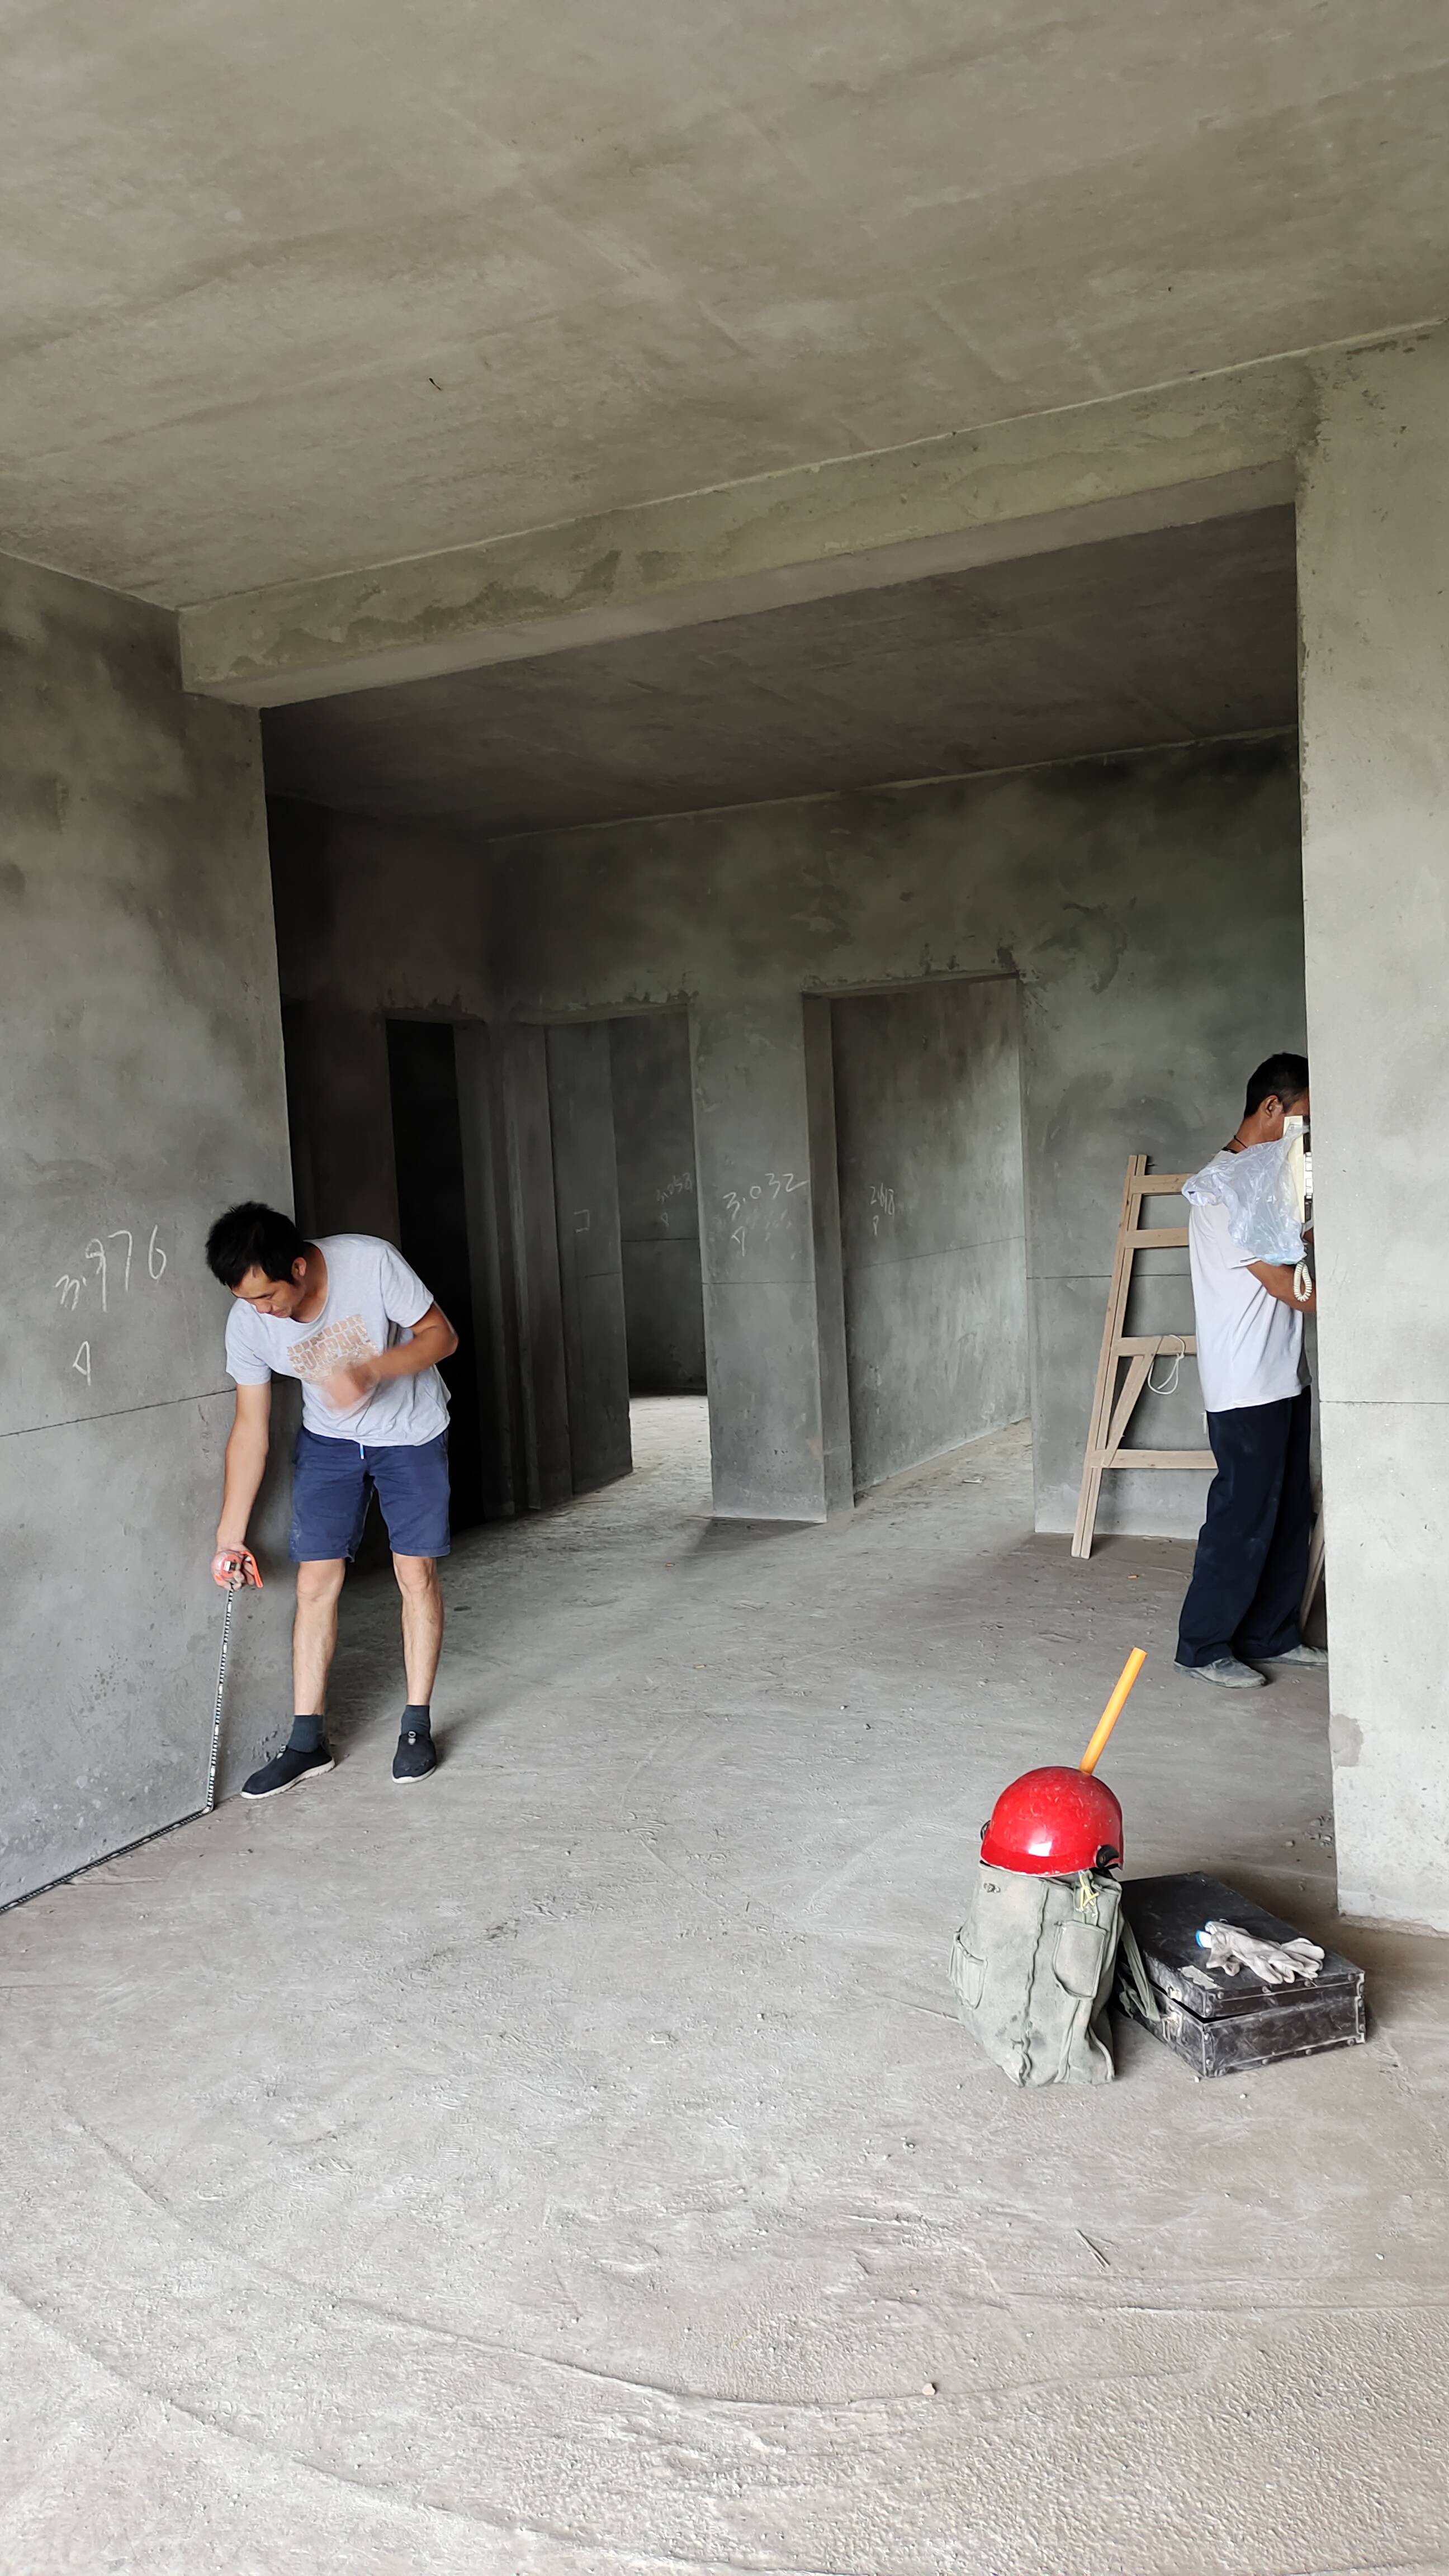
1113	1709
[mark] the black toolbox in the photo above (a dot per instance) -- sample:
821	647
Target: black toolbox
1219	2023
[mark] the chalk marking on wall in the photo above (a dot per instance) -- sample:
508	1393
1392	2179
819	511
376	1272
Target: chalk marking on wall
69	1285
754	1208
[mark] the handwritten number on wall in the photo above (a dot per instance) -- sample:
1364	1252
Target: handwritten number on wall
756	1205
70	1286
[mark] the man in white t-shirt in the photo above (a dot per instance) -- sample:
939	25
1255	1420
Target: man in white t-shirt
1252	1553
348	1318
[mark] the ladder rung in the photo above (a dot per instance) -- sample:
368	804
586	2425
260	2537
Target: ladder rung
1114	1404
1159	1458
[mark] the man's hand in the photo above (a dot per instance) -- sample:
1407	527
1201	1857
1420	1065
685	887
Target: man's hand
1280	1278
433	1339
344	1387
233	1567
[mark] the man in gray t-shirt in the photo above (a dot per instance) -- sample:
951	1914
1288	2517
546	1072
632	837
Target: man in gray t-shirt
349	1319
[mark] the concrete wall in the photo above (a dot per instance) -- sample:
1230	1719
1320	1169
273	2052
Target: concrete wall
658	1202
933	1218
370	917
1151	909
140	1091
1374	574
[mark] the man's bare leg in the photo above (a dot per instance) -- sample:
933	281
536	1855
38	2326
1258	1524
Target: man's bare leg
422	1636
422	1624
314	1632
314	1635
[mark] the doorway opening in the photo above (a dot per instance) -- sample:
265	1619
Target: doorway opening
659	1247
928	1128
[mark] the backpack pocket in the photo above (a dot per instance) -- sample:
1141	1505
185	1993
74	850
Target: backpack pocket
968	1974
1079	1958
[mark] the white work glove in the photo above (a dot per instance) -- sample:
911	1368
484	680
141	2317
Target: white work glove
1274	1963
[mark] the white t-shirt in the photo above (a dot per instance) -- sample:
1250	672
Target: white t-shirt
1249	1345
372	1300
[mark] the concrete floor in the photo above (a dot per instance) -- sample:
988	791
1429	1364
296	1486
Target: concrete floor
576	2164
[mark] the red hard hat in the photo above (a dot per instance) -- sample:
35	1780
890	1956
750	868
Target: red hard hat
1053	1823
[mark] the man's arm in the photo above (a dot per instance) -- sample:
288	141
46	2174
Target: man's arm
246	1458
433	1339
1277	1277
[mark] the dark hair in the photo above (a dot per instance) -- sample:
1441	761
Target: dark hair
253	1237
1278	1077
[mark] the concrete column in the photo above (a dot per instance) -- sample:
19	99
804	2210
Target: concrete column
590	1265
828	1243
140	1092
1374	588
538	1298
658	1201
490	1263
771	1419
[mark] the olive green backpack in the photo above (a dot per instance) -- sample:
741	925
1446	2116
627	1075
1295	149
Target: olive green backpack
1034	1965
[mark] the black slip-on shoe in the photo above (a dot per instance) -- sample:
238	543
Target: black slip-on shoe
414	1757
285	1770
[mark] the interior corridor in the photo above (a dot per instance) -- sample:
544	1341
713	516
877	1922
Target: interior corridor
576	2163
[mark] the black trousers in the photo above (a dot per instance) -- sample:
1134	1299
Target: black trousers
1252	1551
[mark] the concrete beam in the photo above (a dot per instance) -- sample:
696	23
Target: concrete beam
1202	449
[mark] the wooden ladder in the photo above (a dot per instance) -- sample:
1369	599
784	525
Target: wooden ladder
1114	1406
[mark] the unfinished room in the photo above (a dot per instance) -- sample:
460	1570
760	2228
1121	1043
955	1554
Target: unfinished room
704	723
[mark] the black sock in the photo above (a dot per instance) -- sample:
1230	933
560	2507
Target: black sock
417	1721
308	1735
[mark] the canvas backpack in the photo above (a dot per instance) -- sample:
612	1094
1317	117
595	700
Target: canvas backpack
1033	1966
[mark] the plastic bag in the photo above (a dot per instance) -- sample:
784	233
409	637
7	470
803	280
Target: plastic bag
1262	1190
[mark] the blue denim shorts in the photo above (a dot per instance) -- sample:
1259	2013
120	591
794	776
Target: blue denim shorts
332	1481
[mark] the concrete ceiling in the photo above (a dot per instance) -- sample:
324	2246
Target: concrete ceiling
289	289
1184	633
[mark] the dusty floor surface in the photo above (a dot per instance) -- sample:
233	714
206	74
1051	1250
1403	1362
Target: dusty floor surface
575	2165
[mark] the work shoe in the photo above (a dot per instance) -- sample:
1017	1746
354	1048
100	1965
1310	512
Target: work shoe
414	1757
1314	1656
1227	1672
285	1769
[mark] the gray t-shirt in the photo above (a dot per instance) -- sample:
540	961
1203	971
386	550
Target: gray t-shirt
372	1300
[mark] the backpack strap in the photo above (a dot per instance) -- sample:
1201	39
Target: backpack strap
1132	1972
